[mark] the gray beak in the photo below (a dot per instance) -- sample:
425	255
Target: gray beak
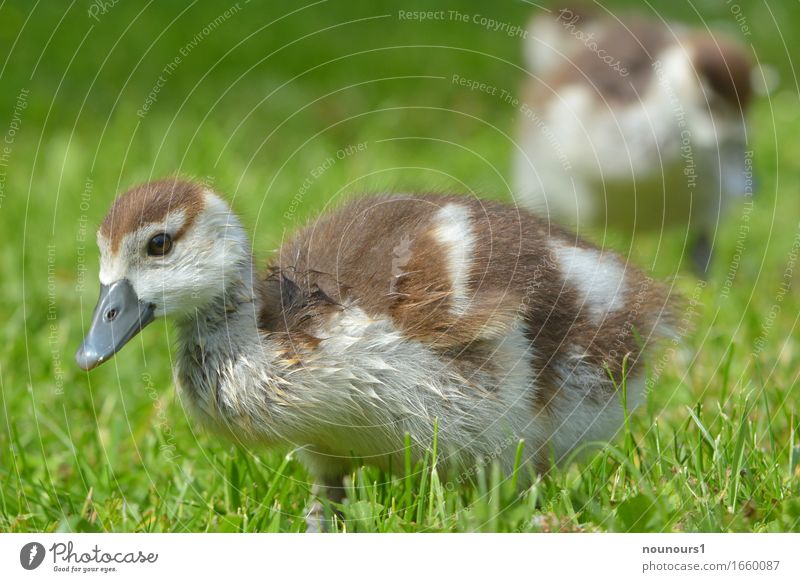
118	316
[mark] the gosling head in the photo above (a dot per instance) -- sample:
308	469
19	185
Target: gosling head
166	248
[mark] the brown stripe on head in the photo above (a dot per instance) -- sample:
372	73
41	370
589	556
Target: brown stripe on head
724	64
149	203
625	70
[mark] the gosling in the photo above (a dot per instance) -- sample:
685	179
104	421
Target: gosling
634	124
395	315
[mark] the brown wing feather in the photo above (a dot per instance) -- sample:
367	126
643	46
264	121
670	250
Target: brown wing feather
380	254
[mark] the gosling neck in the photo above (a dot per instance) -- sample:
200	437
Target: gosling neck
238	305
224	370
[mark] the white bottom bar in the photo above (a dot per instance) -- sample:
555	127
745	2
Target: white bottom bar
489	557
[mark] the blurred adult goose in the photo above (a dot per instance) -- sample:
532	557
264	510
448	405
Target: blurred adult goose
393	315
633	122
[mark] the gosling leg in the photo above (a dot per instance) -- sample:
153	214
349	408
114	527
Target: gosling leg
331	489
700	254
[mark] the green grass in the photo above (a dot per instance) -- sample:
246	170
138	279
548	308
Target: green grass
254	110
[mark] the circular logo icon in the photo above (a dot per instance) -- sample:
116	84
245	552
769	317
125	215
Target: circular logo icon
31	555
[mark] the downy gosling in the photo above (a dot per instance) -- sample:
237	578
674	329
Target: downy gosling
634	124
394	315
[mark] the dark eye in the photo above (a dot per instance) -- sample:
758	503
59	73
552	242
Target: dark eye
159	245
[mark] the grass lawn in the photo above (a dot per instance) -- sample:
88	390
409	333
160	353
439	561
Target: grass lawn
286	109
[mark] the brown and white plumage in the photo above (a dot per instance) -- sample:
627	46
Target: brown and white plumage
633	122
389	316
